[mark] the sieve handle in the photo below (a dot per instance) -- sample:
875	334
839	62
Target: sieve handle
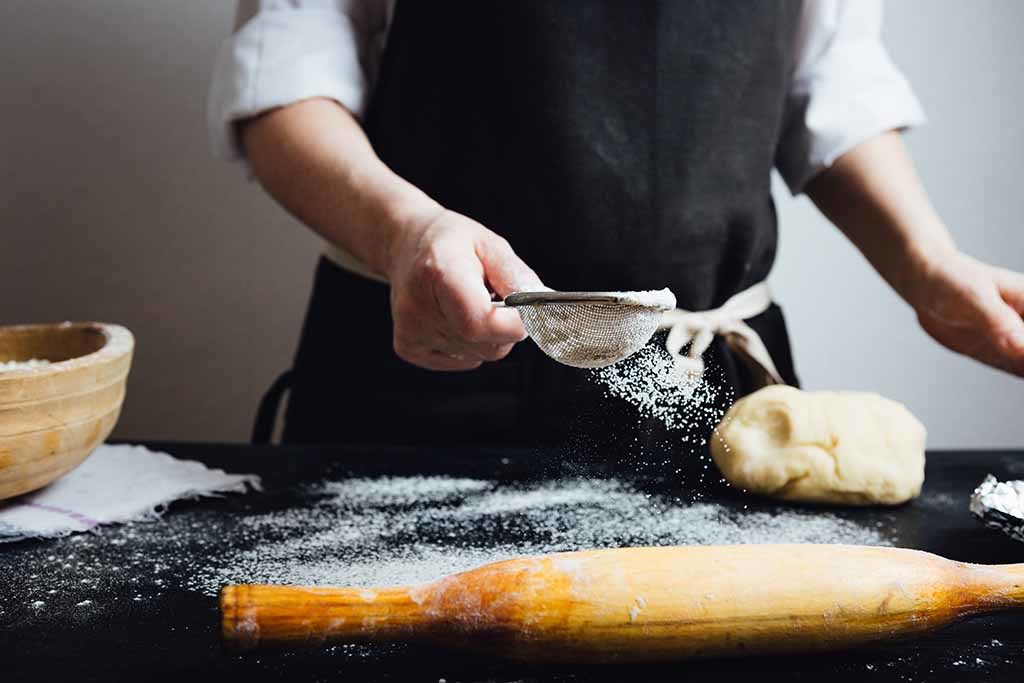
552	297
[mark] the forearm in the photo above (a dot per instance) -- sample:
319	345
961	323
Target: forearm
315	159
873	194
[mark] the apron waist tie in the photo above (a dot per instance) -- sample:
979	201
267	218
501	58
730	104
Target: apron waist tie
699	328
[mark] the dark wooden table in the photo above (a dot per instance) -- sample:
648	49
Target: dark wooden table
173	633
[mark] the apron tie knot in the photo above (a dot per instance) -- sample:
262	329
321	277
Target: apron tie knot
699	328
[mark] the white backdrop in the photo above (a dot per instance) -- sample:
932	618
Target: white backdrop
849	330
111	209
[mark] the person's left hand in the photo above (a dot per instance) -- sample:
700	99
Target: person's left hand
974	309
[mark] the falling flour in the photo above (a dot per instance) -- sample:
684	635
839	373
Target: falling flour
659	389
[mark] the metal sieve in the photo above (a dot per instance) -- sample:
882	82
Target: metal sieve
588	329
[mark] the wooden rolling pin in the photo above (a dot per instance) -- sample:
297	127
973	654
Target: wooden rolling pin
636	604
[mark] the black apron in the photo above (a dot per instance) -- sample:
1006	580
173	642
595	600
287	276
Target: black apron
617	146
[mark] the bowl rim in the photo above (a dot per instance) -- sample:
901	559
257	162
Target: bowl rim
119	341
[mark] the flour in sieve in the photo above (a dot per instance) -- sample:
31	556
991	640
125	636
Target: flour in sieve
661	299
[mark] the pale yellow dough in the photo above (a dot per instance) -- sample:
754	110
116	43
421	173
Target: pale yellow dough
823	447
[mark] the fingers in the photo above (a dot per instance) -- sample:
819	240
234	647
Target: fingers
1008	338
451	357
466	305
441	300
1011	288
456	348
436	360
977	311
1001	342
486	352
506	273
451	324
1008	314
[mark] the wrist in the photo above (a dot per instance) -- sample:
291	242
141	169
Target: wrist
404	218
922	261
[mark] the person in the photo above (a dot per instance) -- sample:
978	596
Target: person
449	153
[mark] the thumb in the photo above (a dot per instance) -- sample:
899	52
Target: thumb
1011	288
1008	331
1005	334
504	271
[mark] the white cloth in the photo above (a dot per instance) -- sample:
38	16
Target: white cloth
114	484
699	328
844	88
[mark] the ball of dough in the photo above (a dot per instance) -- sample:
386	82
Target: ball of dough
821	447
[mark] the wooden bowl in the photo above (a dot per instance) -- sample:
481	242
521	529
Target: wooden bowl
52	417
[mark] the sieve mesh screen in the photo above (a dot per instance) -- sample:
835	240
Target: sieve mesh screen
589	335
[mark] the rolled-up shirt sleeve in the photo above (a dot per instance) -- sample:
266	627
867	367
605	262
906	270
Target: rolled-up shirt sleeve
844	89
284	51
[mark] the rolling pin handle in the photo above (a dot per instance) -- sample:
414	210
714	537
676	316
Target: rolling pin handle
258	616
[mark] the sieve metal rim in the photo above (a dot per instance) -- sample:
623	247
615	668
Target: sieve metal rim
546	298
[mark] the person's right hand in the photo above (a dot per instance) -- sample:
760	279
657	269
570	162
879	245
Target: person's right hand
442	276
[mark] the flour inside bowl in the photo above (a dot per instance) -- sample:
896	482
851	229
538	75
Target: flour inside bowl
33	364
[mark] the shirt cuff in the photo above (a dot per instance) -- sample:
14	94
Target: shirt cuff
279	57
851	97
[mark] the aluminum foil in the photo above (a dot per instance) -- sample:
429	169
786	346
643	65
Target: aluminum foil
1000	505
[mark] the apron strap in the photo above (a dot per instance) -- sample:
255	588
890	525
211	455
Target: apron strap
698	329
266	414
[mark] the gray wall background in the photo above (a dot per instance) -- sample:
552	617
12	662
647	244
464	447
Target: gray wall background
112	209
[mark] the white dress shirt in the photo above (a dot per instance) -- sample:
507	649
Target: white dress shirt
844	88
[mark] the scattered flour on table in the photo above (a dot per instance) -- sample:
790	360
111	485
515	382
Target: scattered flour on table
33	364
369	532
988	656
404	530
383	531
399	490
